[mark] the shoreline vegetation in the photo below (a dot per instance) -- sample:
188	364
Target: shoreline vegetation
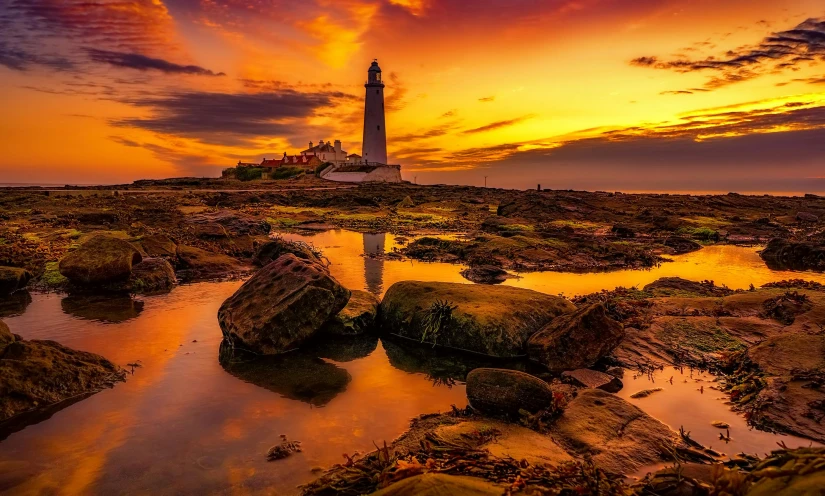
558	430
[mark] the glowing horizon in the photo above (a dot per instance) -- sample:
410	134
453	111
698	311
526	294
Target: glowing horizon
653	95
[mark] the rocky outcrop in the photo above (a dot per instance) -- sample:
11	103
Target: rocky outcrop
12	279
102	260
807	217
502	392
274	249
593	379
357	317
35	374
681	245
152	275
576	340
281	306
796	255
198	264
676	286
491	320
617	435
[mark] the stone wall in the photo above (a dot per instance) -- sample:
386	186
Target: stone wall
385	173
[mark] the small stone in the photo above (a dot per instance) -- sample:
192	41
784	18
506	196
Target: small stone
644	393
720	425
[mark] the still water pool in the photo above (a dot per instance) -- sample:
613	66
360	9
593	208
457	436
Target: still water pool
184	423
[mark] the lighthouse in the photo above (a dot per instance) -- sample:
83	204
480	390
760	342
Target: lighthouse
375	134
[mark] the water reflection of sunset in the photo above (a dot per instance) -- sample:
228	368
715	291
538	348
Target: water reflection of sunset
184	423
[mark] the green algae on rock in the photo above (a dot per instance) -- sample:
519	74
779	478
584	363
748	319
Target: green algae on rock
491	320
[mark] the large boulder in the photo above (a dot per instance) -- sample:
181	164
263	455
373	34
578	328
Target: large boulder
35	374
797	255
274	249
281	306
502	392
618	436
12	279
357	317
576	340
101	260
152	275
491	320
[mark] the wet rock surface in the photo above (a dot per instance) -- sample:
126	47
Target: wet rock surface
13	279
157	245
152	275
198	264
491	320
576	340
35	374
501	392
673	286
100	261
357	317
281	306
272	250
617	435
485	274
593	379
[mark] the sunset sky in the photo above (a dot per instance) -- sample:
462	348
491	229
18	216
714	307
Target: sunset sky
695	95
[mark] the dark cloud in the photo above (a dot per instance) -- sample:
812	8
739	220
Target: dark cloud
144	63
487	99
20	60
677	92
498	125
802	45
231	118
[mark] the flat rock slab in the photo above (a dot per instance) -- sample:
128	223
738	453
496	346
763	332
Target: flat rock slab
589	378
618	436
491	320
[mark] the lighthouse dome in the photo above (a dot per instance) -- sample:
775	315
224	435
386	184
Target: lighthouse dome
374	67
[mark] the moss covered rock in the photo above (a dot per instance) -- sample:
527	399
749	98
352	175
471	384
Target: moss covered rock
152	275
491	320
101	260
281	306
35	374
576	340
12	279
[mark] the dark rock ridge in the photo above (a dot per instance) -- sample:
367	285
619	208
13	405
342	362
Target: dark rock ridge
281	306
576	340
796	255
679	286
35	374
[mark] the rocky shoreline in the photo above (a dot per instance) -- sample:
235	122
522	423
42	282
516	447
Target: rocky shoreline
550	432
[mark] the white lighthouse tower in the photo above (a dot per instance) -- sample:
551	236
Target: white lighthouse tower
375	133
